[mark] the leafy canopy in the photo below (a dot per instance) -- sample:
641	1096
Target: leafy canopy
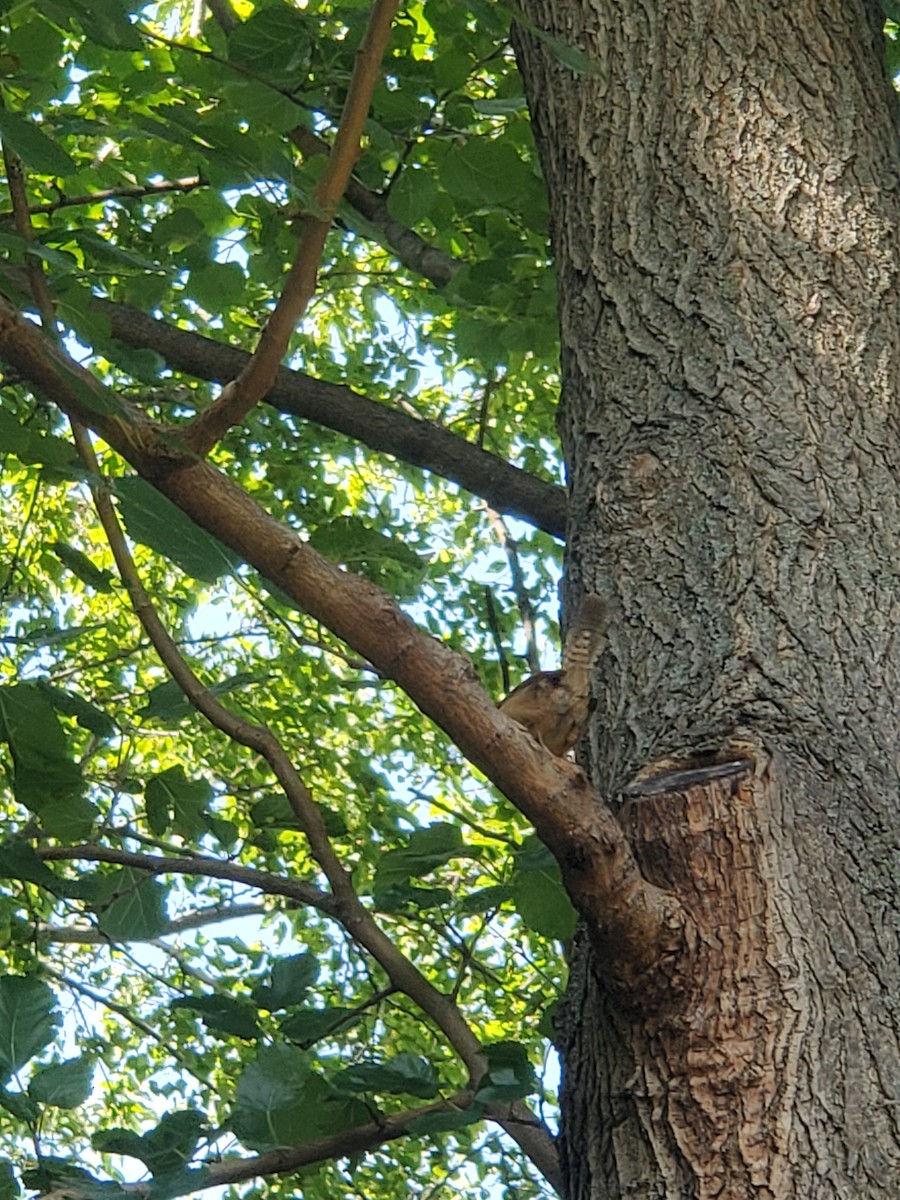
157	1016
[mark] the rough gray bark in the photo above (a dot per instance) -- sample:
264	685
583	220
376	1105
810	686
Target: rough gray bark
724	190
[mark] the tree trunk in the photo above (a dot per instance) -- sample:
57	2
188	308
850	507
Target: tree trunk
724	190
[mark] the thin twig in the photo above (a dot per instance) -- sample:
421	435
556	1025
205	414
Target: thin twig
15	178
240	396
494	627
90	935
520	588
197	865
135	191
490	387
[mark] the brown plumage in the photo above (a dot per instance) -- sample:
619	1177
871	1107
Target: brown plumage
554	706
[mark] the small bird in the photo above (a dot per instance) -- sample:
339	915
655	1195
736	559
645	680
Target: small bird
554	706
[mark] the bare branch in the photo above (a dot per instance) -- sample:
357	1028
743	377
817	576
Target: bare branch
197	865
90	935
520	588
244	392
137	191
224	14
15	177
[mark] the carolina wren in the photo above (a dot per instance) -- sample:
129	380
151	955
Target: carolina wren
554	706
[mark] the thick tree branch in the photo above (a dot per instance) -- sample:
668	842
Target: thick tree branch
358	1140
506	488
635	924
258	375
347	907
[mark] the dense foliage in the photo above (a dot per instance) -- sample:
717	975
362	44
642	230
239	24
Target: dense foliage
180	994
152	1021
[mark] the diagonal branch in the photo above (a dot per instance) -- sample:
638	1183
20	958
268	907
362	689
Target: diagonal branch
505	487
343	1144
244	392
637	926
347	908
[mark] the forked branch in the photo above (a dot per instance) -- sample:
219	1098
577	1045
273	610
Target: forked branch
343	902
636	924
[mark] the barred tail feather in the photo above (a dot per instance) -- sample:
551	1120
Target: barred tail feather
586	636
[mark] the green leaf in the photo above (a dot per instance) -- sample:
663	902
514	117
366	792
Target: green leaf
222	1014
413	196
156	522
292	978
174	801
134	907
402	1075
167	702
165	1149
31	447
70	704
273	812
9	1187
20	1105
445	1121
384	559
539	895
509	1075
403	897
485	899
64	1085
425	850
274	43
61	1175
483	172
45	778
28	1020
105	22
37	45
33	146
310	1025
280	1101
79	564
186	1181
19	861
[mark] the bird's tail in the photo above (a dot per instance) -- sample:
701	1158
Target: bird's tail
586	636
